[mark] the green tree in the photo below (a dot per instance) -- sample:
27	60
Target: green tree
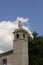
35	50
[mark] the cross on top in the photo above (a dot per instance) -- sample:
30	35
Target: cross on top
19	24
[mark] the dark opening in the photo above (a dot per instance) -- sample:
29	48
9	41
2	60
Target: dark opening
24	36
4	61
17	35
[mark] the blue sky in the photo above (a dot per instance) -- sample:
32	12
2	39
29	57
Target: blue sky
32	9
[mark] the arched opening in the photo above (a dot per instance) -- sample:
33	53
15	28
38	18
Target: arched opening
24	36
17	36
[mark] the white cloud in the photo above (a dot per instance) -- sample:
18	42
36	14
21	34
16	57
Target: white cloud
22	19
6	35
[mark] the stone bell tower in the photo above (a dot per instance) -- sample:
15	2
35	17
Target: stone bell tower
20	46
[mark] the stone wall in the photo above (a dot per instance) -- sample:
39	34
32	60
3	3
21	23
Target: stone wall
9	59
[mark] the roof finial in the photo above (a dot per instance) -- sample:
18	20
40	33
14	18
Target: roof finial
19	24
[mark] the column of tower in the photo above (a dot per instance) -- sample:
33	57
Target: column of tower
20	46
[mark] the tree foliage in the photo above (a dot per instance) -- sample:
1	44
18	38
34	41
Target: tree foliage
35	50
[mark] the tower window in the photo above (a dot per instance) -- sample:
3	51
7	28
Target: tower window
24	36
17	36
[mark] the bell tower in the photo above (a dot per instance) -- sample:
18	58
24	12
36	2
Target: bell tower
20	45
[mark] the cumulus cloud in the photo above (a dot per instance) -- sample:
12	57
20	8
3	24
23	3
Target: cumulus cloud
6	35
22	19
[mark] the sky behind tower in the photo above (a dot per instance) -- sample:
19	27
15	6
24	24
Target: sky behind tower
32	9
25	10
